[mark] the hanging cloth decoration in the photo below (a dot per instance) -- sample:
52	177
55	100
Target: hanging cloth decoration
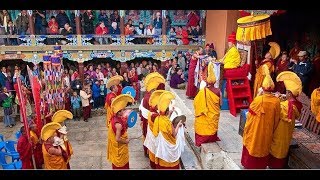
252	27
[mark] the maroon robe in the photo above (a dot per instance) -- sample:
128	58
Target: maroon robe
24	150
145	104
281	66
191	88
135	84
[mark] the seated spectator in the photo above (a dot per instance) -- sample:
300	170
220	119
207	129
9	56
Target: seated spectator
172	32
67	30
114	29
141	31
184	36
150	32
73	21
128	30
62	19
189	30
102	30
99	74
53	29
177	80
171	70
126	81
11	30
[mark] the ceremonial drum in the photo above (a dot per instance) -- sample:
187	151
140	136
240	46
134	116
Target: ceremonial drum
129	90
131	116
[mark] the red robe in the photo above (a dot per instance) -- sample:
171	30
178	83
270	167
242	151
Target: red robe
135	84
110	96
191	88
119	90
145	104
24	150
281	66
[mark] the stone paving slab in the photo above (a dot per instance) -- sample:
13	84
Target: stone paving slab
231	141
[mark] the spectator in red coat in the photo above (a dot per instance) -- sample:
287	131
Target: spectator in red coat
102	30
184	36
193	19
53	29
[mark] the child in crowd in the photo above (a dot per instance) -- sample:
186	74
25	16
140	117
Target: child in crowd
103	92
75	103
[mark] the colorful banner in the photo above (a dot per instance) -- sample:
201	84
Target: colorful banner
35	88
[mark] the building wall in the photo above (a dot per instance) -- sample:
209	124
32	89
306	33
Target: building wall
219	24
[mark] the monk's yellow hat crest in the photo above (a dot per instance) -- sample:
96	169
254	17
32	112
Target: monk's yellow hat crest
164	100
154	98
120	102
49	129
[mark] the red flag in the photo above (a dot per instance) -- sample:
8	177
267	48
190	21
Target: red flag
22	103
35	88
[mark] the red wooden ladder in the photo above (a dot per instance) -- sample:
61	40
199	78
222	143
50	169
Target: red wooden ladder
239	94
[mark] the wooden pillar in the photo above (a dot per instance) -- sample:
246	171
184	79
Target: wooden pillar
78	22
203	23
81	66
218	35
122	12
31	22
164	23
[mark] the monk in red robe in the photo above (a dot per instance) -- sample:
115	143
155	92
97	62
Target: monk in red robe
24	149
282	65
133	76
191	88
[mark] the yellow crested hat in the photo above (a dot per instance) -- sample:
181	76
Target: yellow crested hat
49	129
164	100
154	82
120	102
150	76
154	97
291	81
114	80
211	77
61	116
274	49
267	83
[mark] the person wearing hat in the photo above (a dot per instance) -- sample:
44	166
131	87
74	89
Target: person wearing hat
118	148
24	149
303	68
36	144
152	82
112	84
232	58
166	135
53	154
149	141
262	119
290	111
209	50
207	111
273	53
315	103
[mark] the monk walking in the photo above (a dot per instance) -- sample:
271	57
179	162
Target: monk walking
118	149
152	82
207	111
150	139
263	119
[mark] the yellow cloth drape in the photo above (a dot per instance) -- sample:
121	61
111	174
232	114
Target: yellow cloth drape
68	144
118	153
52	161
262	120
206	113
163	124
283	133
315	103
232	58
260	76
